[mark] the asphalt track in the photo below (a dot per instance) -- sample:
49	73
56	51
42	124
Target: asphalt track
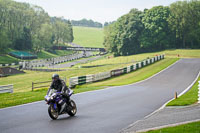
104	111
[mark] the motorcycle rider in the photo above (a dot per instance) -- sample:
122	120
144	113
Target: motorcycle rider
59	85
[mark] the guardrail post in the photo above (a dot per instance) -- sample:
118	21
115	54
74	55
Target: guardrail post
199	93
175	95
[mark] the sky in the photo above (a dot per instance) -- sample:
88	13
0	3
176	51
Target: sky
97	10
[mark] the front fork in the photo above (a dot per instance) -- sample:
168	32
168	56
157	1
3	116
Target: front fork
54	105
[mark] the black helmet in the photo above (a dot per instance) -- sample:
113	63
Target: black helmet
55	76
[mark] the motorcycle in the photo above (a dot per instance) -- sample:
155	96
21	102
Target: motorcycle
59	105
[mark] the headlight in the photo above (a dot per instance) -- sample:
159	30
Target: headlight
53	96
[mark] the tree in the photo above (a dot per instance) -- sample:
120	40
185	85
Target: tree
25	41
184	21
156	34
122	37
29	27
86	23
4	41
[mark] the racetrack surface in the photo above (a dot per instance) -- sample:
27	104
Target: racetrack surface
104	111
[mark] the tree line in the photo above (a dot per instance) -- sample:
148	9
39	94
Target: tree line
158	28
86	23
29	27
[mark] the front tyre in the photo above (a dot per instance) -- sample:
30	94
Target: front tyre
73	111
52	112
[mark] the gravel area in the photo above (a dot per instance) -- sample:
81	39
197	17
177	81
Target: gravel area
169	116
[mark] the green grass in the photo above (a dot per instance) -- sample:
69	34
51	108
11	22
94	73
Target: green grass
4	59
63	52
193	127
45	54
136	76
88	37
188	98
23	82
24	95
19	98
183	53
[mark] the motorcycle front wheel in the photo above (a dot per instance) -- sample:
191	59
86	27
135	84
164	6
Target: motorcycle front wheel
73	111
52	112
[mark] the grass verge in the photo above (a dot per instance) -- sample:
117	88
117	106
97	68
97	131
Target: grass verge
193	127
135	76
188	98
12	99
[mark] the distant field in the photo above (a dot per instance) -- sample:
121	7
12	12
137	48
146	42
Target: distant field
88	37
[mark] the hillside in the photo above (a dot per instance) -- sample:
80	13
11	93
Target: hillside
88	37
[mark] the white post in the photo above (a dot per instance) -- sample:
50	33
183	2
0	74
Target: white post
199	93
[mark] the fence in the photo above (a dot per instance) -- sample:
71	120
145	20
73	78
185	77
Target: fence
44	84
6	88
101	76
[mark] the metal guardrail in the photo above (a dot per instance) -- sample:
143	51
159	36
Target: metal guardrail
6	88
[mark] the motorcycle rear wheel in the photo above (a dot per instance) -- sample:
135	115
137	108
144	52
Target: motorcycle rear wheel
73	111
52	112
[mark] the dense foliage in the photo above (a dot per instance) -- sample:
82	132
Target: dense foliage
86	23
158	28
29	27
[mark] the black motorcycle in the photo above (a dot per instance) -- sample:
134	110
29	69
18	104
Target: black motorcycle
59	105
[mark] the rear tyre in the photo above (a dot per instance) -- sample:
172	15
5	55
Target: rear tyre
73	111
52	112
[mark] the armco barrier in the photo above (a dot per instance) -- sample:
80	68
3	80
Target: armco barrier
101	76
6	88
104	75
89	78
73	82
117	72
81	80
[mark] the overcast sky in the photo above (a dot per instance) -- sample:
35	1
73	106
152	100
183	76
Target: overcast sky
97	10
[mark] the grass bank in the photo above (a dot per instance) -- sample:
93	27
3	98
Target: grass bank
135	76
188	98
186	128
7	59
23	82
